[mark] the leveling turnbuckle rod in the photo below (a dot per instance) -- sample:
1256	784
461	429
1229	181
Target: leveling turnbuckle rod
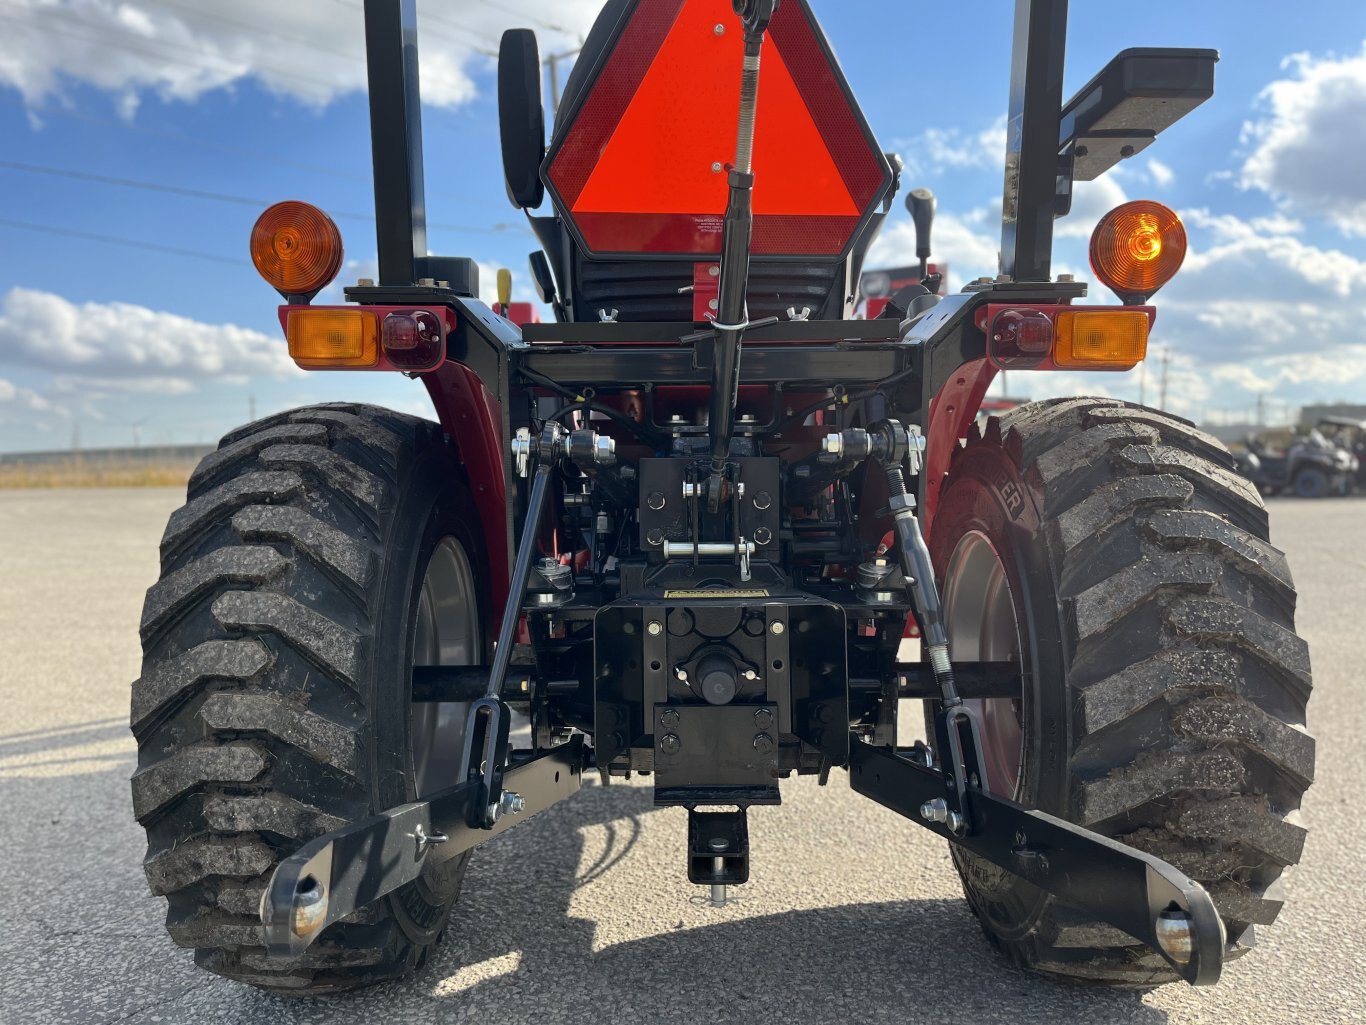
736	237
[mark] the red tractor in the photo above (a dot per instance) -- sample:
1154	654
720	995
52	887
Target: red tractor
683	528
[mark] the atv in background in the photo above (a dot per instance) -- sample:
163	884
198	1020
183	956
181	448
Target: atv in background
1350	435
1311	467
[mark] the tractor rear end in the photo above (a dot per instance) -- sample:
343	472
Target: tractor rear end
686	528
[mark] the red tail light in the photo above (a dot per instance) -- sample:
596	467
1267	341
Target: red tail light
641	168
413	339
1020	338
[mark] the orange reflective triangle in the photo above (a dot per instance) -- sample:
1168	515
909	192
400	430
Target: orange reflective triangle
682	121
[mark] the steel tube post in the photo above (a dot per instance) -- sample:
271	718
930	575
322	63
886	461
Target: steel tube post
1031	181
396	139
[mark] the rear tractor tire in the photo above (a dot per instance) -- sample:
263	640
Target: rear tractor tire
321	554
1117	555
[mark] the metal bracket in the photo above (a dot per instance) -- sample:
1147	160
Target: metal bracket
1133	891
343	871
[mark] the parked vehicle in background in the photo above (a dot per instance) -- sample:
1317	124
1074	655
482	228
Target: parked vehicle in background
1312	466
1349	434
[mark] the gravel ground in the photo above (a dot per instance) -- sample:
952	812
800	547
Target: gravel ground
583	914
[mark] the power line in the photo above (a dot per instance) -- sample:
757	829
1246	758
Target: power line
117	240
153	48
454	26
219	197
181	137
257	30
541	23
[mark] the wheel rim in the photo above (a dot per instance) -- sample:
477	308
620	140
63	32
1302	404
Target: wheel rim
445	633
980	617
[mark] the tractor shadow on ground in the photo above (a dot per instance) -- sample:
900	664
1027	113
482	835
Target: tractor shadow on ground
520	950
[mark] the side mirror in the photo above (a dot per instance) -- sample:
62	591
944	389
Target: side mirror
521	117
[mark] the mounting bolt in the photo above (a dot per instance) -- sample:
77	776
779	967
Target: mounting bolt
669	717
763	500
833	444
512	802
365	282
720	30
655	500
763	743
763	536
669	744
655	536
776	628
935	810
716	168
655	628
763	718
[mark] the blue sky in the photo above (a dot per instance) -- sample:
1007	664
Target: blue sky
258	101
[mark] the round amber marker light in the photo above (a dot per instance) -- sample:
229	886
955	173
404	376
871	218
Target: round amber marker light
1138	247
296	248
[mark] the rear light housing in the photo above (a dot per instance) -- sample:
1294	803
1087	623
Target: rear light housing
1058	337
296	248
414	340
1137	248
367	337
328	338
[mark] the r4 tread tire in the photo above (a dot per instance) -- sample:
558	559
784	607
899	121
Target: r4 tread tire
262	693
1179	682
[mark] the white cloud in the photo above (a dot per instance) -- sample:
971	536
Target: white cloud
1090	202
1308	150
311	50
1160	173
25	397
942	149
130	347
956	240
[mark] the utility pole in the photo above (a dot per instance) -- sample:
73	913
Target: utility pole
251	408
552	61
1261	409
1142	383
1166	364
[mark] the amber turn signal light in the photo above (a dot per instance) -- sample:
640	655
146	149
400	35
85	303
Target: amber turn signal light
1137	248
296	248
330	338
1100	339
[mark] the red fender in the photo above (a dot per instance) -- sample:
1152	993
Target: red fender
952	412
472	419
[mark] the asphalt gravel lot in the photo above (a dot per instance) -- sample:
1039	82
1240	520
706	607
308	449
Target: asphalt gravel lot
582	914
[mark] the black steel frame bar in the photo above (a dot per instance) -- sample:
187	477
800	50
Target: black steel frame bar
1116	883
396	139
341	872
1031	180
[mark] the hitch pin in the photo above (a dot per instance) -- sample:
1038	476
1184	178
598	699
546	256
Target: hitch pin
425	839
718	865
